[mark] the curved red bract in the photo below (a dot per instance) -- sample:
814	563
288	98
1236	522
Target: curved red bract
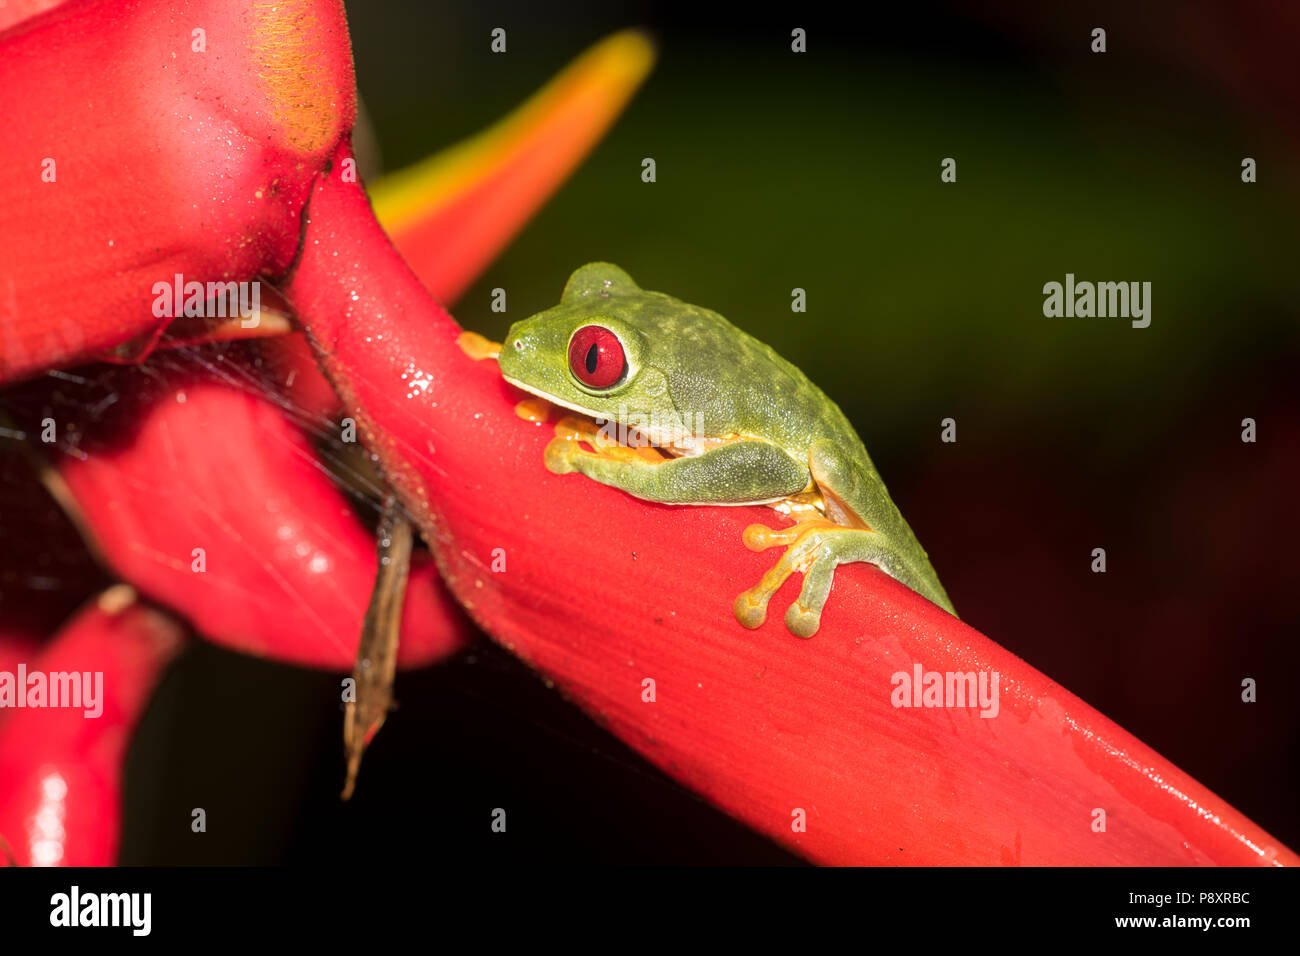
159	161
62	770
764	724
247	537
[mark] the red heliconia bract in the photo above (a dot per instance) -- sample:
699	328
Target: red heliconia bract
15	11
604	592
147	141
248	537
60	802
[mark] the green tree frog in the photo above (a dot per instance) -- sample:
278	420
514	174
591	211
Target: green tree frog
681	407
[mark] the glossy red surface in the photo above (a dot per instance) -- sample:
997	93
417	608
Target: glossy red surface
159	161
286	566
62	770
762	723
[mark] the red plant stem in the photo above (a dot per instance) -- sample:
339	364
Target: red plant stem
604	593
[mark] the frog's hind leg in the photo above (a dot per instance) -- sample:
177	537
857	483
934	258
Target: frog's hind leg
816	548
751	606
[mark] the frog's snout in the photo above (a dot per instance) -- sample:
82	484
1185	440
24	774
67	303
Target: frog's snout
518	340
518	348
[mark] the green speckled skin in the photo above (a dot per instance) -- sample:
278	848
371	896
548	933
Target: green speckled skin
690	362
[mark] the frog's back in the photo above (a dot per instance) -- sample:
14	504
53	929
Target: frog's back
739	385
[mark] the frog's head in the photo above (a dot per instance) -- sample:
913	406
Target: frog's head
592	353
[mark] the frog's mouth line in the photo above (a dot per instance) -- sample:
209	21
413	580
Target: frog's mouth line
531	390
645	441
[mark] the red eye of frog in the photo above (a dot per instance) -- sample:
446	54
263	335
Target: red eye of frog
596	357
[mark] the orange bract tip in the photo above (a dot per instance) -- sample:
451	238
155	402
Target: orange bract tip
452	213
308	95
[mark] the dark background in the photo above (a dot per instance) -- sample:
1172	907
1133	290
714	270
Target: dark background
924	302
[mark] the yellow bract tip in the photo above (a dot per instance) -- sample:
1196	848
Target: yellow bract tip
554	129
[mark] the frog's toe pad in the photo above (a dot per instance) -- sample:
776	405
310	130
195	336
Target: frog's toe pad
757	537
750	611
802	621
559	455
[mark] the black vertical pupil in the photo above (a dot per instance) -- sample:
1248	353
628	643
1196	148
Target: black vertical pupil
593	354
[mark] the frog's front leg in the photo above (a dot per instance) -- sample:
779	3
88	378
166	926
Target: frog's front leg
741	472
